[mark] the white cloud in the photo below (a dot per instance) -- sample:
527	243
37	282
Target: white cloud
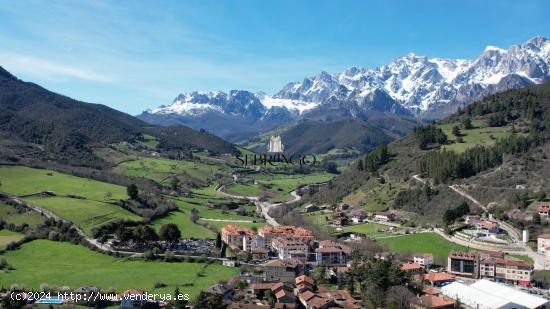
51	70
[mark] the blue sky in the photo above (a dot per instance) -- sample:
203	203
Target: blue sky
133	55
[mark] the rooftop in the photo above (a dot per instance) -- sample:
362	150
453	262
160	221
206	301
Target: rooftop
411	266
236	230
432	301
435	277
284	263
490	294
288	230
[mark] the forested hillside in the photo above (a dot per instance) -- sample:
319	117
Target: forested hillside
505	134
64	129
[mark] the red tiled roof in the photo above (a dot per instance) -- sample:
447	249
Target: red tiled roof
306	279
516	263
488	225
431	301
435	277
307	295
284	263
411	266
430	290
236	230
261	286
545	236
288	230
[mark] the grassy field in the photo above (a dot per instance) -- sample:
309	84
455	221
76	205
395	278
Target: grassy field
369	229
11	215
7	236
182	217
43	261
423	242
276	186
86	214
481	134
161	170
183	220
23	181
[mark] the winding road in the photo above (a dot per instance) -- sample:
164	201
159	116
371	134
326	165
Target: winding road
518	246
265	207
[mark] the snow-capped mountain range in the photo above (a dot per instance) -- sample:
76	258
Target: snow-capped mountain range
410	85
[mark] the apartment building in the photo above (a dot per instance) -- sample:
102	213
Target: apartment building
233	236
287	248
271	232
463	264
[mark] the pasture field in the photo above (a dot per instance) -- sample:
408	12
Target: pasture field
419	243
57	263
243	189
182	218
11	216
480	134
161	170
7	236
19	180
276	187
86	214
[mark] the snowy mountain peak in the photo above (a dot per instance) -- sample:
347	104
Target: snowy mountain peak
420	83
409	84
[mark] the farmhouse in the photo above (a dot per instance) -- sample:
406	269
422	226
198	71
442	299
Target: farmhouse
424	259
412	268
384	217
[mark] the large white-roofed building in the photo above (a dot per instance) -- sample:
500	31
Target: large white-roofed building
485	294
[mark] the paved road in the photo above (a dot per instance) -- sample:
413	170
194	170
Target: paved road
518	246
264	207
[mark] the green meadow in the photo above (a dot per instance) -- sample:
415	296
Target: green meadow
276	187
91	211
161	169
479	135
422	242
86	214
19	180
57	263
